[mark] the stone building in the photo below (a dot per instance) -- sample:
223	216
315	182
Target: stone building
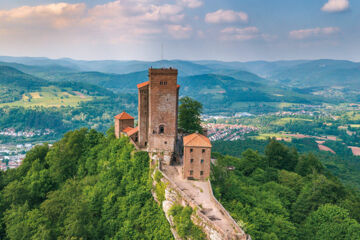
158	104
123	121
157	129
197	157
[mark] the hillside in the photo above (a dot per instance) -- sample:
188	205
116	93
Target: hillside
93	186
87	186
325	73
12	77
14	83
285	195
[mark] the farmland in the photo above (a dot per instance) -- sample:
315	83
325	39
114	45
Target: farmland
50	97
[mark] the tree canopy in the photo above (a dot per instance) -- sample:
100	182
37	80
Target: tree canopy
189	115
87	186
285	195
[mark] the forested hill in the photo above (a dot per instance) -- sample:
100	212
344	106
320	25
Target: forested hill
87	186
12	77
286	195
93	186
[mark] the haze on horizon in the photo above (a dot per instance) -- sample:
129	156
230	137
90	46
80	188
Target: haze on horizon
228	30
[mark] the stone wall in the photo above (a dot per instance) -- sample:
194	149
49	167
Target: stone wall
163	98
121	124
197	160
143	115
174	195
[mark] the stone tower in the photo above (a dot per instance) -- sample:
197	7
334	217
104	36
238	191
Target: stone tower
158	110
122	121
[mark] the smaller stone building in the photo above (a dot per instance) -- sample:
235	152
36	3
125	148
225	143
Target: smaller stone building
197	157
123	121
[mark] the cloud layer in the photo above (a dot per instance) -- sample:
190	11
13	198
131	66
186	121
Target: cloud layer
125	20
226	16
313	32
336	6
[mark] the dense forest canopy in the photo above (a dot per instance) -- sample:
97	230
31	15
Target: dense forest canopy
87	186
285	195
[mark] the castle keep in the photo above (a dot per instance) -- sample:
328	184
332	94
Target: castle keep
178	157
157	129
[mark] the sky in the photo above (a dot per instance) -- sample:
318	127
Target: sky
228	30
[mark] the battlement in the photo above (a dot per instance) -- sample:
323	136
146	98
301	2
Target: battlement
163	71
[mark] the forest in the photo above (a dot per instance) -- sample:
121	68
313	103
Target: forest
282	194
343	165
87	186
93	186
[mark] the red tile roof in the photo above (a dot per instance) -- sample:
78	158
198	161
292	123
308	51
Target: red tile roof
124	116
143	84
196	140
132	131
128	129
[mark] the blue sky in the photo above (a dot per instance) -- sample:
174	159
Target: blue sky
229	30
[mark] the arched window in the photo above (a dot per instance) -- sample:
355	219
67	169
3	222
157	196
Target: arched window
161	129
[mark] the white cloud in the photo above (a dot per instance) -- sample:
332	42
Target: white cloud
226	16
336	6
59	15
241	34
116	21
313	32
179	31
191	3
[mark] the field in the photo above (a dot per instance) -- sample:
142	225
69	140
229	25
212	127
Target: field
49	97
283	121
278	136
353	116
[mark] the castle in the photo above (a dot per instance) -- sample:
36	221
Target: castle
179	157
157	130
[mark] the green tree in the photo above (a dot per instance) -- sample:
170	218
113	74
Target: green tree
280	156
331	222
309	164
189	115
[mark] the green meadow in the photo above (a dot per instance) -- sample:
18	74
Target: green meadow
50	97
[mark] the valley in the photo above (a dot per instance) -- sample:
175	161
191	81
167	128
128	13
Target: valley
245	103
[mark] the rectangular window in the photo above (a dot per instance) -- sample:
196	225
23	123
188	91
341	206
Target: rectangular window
203	151
202	161
191	150
191	160
201	173
191	172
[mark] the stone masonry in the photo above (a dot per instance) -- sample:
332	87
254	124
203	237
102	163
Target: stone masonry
157	133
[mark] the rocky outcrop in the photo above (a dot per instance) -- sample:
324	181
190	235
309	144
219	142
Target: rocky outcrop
174	195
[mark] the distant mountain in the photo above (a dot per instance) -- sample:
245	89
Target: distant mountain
243	75
12	77
186	68
326	73
41	71
14	83
261	68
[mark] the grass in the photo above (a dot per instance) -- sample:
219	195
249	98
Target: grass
353	116
265	136
49	97
283	121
